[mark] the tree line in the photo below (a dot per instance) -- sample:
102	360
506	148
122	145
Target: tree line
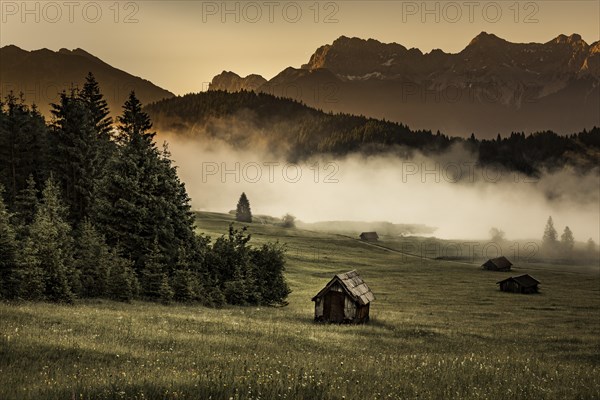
91	207
565	247
299	132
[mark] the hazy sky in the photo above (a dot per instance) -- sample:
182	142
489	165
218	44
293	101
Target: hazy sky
181	45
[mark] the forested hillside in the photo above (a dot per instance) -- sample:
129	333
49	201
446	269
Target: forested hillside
92	208
297	132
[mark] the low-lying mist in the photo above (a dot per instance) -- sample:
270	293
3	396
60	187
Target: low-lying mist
448	192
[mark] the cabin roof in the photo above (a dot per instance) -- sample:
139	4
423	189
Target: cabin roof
354	286
500	262
523	280
370	235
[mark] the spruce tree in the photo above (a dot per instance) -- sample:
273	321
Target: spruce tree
76	150
8	254
23	147
229	263
92	260
186	285
165	292
100	119
243	212
591	245
268	263
186	281
550	234
567	241
142	201
32	279
26	204
153	273
121	209
50	235
591	248
122	284
97	106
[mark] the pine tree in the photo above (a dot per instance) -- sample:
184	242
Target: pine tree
567	241
243	212
8	254
52	245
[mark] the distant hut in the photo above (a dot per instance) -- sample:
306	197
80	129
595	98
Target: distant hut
497	264
519	284
369	236
345	298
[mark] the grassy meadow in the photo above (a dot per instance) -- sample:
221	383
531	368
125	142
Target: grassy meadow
438	330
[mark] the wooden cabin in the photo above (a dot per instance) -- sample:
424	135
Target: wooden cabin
345	299
520	284
497	264
369	236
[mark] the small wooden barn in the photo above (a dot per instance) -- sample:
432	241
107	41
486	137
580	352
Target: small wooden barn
345	299
369	236
520	284
497	264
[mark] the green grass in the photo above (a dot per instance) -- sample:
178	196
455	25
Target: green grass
438	330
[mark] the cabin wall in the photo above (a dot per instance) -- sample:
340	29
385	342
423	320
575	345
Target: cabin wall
510	286
529	290
349	308
514	287
362	313
319	308
320	301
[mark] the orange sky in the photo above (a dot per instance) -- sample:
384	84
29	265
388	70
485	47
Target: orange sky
181	45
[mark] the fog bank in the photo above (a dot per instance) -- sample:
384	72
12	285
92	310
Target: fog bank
449	193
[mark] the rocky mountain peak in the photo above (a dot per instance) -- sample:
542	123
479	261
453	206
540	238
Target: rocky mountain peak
232	82
486	41
574	40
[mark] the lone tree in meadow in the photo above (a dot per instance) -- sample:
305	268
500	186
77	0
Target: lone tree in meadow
242	212
567	240
550	234
288	221
497	235
591	248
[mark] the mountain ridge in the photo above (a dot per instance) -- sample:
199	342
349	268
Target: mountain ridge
524	86
41	74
